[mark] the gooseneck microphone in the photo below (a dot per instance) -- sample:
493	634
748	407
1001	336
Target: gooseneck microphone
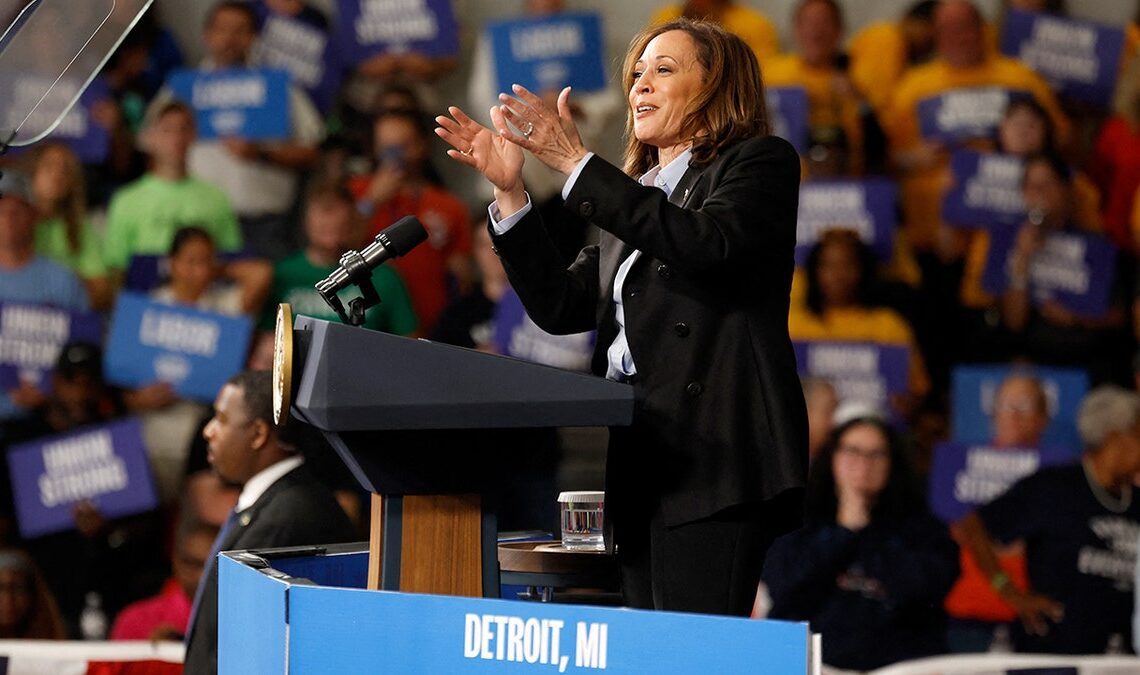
356	267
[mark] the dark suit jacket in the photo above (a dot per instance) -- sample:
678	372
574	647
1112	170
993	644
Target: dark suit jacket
295	511
720	419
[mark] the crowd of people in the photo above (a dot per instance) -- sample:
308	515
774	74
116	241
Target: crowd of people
236	226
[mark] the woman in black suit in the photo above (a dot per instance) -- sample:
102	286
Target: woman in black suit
688	289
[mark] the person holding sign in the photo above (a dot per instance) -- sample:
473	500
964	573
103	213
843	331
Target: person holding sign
1062	297
688	289
1080	525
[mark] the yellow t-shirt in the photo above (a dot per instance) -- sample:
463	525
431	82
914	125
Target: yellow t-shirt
922	188
754	28
856	324
829	105
878	61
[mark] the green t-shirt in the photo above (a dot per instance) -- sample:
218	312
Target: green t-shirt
294	279
51	242
145	215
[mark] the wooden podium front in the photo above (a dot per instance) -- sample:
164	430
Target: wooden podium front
416	422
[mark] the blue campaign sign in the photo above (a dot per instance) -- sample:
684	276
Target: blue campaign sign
973	389
965	114
549	53
366	28
859	371
195	351
147	272
1073	269
965	476
868	207
788	112
31	337
81	131
105	465
1081	59
986	190
251	103
516	335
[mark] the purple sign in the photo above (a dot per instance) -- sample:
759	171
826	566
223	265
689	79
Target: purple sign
31	337
859	371
986	190
105	465
960	115
788	112
964	477
302	49
1073	269
867	207
517	336
366	28
1080	59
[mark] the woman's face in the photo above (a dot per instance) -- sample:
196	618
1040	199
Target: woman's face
1044	190
194	265
862	461
666	79
51	181
1022	132
838	274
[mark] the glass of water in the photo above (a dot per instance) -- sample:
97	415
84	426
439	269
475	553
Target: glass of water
582	520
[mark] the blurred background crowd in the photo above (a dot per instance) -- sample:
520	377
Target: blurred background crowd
966	307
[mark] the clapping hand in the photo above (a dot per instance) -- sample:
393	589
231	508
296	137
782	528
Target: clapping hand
489	153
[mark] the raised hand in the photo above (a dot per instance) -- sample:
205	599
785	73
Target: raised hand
489	153
549	135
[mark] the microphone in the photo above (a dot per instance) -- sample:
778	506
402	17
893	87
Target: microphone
356	267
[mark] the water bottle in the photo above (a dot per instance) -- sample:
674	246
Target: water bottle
93	620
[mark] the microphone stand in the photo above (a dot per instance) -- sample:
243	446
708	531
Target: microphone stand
360	275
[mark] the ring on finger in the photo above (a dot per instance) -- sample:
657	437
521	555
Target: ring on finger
529	130
468	151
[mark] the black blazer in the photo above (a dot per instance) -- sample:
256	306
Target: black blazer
720	419
295	511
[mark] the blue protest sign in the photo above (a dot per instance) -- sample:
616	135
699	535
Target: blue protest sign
788	113
868	207
245	102
516	335
366	28
964	477
195	351
973	389
1073	269
859	371
105	465
1081	59
31	337
986	190
549	53
965	114
79	129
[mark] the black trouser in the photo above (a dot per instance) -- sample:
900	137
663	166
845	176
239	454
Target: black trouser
711	566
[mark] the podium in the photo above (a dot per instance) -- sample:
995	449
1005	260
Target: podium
405	415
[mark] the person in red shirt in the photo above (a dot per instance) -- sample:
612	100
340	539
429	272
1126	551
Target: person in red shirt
164	616
399	187
1115	165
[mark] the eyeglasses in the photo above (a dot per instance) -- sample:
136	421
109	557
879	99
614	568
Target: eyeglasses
1022	407
869	454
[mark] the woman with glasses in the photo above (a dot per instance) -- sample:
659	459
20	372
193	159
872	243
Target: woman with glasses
871	565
